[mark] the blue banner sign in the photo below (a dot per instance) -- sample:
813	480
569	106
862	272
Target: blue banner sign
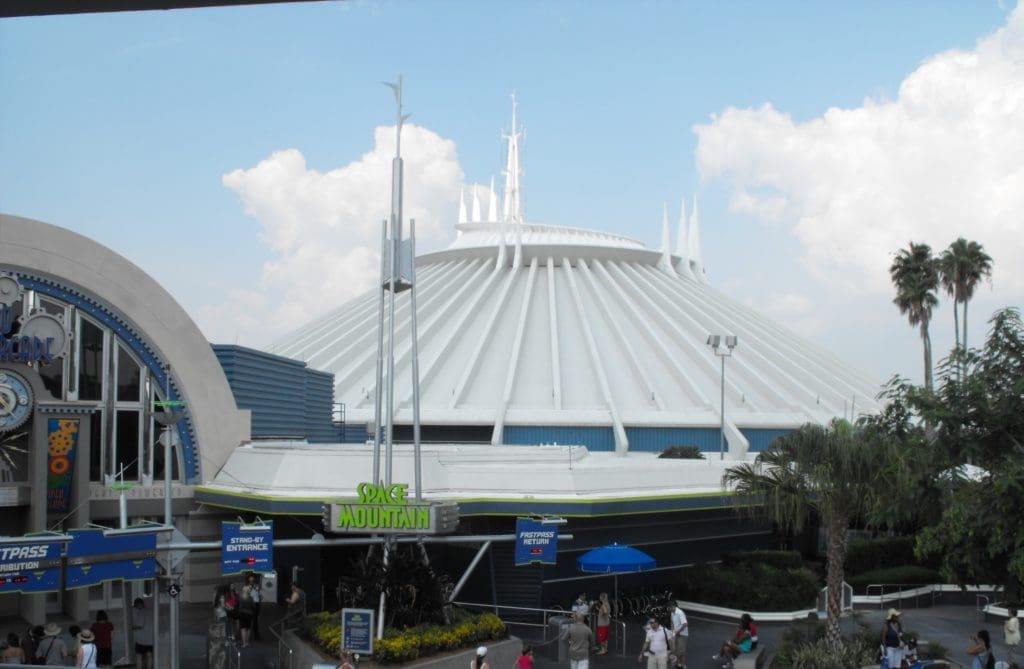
246	547
28	565
536	543
357	630
96	555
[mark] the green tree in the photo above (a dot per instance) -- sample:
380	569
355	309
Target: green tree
976	457
961	268
915	274
834	472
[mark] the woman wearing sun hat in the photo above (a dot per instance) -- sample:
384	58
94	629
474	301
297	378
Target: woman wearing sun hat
892	638
478	661
86	649
51	649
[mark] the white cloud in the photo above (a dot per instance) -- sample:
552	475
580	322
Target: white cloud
323	228
942	160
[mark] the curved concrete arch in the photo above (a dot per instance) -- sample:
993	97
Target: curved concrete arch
65	260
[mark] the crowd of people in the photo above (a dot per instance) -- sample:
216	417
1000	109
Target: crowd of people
52	645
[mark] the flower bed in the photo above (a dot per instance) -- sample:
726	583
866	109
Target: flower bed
405	645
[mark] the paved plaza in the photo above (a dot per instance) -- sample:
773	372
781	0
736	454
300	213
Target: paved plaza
945	623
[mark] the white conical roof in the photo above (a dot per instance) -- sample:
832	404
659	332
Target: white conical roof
583	329
587	330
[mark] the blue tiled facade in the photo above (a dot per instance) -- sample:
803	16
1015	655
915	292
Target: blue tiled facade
286	398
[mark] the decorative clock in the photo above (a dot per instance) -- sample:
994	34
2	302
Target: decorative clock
15	400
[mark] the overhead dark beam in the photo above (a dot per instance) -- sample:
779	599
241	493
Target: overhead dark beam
9	8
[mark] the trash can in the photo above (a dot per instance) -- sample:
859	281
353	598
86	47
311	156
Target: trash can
559	646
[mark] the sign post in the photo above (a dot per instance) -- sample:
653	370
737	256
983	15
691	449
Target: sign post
357	631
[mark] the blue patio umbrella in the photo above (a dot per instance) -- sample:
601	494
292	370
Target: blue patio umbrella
615	559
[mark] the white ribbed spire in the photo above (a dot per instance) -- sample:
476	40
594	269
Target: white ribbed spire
694	244
492	205
682	248
665	262
513	209
462	205
476	205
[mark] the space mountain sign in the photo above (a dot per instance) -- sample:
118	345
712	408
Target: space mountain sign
385	509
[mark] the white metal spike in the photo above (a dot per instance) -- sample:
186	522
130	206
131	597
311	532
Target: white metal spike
665	262
682	248
492	206
696	262
462	205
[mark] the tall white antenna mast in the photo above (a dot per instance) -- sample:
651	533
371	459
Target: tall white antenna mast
513	209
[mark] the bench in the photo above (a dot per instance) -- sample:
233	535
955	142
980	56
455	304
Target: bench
751	660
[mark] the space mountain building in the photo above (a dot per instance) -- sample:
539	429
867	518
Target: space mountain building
555	364
535	334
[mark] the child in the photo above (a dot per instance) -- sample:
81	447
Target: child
526	659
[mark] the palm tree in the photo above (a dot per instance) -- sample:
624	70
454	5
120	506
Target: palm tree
830	471
915	274
961	268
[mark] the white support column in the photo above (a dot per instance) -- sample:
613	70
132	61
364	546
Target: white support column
621	442
497	437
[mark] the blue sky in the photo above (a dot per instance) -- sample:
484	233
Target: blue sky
216	147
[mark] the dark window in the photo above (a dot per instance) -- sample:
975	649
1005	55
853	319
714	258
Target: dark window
129	377
90	373
53	377
158	461
96	447
127	444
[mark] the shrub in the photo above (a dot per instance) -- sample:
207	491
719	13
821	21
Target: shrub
776	559
905	575
869	554
803	646
749	586
933	650
682	453
819	655
409	644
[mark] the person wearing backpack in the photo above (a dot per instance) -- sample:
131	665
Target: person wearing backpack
51	650
980	651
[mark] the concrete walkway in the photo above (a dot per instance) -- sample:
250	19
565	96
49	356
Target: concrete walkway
950	625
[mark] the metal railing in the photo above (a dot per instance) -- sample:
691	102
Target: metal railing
544	616
285	653
980	602
899	589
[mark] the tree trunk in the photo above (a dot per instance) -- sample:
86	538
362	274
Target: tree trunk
956	323
965	325
927	341
836	552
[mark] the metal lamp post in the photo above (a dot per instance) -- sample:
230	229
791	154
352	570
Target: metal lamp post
722	346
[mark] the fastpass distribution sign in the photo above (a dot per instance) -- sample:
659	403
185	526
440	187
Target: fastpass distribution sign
30	567
246	547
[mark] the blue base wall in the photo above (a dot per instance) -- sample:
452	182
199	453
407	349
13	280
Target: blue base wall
641	439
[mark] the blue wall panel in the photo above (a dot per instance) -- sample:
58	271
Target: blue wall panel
285	397
761	439
657	439
594	438
319	407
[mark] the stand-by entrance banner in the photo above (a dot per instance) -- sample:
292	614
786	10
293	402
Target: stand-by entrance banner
536	543
30	564
96	555
246	547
